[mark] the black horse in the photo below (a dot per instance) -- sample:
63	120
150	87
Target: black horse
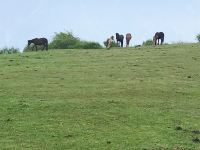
157	37
39	41
120	39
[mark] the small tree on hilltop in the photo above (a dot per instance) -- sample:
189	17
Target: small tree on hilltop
198	37
66	40
148	42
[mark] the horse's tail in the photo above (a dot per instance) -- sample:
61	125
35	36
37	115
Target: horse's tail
162	36
162	40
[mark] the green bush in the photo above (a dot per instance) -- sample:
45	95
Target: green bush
63	41
87	45
148	42
198	37
66	40
9	50
114	44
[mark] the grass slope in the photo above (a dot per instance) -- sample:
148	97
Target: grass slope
136	98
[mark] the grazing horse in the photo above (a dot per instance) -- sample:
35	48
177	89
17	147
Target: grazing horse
157	37
109	42
120	39
128	39
40	42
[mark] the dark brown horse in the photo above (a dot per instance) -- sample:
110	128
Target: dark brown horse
39	42
128	39
120	39
157	37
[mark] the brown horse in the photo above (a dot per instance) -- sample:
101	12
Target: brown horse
157	37
128	39
39	41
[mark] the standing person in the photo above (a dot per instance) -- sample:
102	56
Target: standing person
128	39
109	42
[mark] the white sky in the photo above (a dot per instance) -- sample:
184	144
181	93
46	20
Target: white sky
95	20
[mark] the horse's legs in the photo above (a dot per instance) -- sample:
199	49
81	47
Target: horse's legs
122	43
44	46
47	47
127	43
33	48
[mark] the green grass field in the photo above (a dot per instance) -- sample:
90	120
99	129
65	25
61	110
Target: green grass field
145	98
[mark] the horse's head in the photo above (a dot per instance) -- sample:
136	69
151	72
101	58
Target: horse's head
29	42
154	39
157	34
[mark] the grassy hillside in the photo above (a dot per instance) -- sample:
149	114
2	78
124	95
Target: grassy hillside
136	98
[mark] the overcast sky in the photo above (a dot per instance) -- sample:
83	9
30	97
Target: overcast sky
95	20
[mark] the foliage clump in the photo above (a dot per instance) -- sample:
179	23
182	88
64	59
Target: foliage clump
147	42
198	37
114	44
66	40
11	50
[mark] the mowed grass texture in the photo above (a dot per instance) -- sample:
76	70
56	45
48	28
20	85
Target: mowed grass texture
120	99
